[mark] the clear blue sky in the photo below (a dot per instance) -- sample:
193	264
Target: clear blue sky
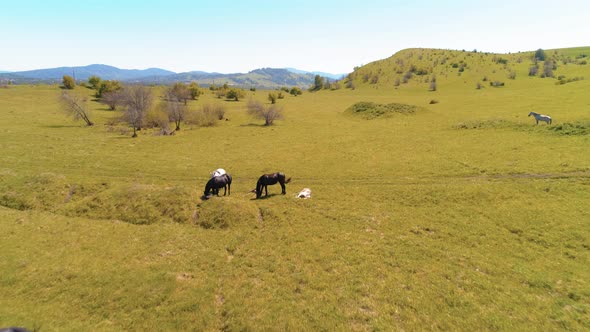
239	36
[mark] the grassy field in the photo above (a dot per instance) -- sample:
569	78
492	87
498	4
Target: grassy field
460	215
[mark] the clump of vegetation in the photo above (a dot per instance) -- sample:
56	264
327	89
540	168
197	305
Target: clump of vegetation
207	115
571	129
496	84
235	94
295	91
68	82
269	114
481	124
227	212
563	80
370	110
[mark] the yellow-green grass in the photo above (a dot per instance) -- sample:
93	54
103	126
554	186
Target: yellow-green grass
463	215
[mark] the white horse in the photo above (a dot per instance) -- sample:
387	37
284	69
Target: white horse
218	172
541	117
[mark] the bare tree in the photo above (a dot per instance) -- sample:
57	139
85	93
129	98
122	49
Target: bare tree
76	105
113	99
175	109
268	114
138	100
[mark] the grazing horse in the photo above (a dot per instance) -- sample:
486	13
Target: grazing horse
270	179
222	181
541	117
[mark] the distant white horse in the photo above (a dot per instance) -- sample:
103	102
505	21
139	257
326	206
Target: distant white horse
218	172
541	117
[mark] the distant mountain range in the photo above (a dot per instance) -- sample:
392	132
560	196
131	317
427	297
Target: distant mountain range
259	78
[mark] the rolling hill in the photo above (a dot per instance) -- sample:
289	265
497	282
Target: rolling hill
419	68
269	78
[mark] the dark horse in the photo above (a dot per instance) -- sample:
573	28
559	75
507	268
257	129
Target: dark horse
270	179
221	181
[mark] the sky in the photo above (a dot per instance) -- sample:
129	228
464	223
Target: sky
240	36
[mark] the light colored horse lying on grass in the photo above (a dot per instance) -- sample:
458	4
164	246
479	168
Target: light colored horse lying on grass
541	117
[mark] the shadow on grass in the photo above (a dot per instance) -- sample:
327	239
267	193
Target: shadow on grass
254	125
264	197
63	126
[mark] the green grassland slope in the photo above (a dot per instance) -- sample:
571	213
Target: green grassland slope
418	68
458	214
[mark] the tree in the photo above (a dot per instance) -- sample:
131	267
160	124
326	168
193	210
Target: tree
113	99
138	100
76	106
195	90
433	84
234	94
68	82
548	67
94	82
268	114
175	109
540	55
318	83
108	86
180	91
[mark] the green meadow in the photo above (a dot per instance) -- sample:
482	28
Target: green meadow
431	210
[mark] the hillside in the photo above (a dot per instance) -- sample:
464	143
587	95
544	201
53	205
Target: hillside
269	78
84	72
417	68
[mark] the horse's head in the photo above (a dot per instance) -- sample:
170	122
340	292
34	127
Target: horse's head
532	113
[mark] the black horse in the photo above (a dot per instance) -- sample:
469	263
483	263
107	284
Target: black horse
221	181
270	179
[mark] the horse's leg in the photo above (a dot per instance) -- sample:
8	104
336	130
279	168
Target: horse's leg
266	190
284	190
228	189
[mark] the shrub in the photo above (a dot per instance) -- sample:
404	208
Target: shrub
512	75
68	82
296	91
268	114
496	84
206	116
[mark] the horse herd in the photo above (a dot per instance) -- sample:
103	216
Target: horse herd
221	179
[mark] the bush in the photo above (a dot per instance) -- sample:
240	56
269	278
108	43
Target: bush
496	84
295	91
206	116
156	118
512	75
68	82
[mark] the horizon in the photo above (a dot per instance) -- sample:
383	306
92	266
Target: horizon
332	37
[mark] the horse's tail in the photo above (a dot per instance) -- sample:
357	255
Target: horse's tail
288	180
228	178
